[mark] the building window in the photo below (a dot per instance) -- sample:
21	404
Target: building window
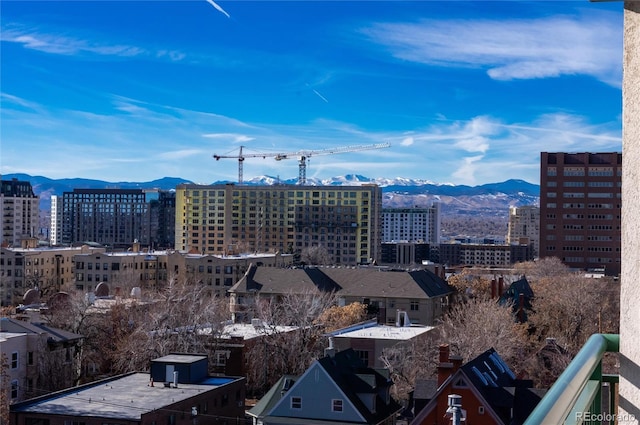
14	389
220	358
30	358
363	355
415	305
296	402
14	360
336	405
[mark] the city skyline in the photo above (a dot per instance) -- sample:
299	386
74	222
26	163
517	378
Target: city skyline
465	92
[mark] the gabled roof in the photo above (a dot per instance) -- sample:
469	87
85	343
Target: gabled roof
346	281
496	386
275	393
512	295
349	372
53	334
348	375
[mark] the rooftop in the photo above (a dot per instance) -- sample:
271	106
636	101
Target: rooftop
377	331
125	398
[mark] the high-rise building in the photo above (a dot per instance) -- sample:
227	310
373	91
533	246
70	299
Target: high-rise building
224	219
116	217
580	204
411	224
524	227
20	212
55	228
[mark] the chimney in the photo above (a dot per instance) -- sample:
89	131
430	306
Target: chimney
445	367
456	361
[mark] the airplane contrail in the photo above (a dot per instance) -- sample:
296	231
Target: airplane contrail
218	8
320	96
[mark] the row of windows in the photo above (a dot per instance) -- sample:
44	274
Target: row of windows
580	171
337	405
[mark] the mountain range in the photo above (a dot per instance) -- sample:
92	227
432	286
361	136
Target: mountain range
493	199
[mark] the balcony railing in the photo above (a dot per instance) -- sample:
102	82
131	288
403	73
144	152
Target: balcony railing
578	394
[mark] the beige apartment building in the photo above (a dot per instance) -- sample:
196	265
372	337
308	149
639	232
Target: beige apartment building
229	219
524	227
151	270
31	267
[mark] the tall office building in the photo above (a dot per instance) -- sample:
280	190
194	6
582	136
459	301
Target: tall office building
224	219
580	204
20	212
411	224
114	217
524	227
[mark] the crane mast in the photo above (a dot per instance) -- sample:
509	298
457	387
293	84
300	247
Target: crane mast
302	155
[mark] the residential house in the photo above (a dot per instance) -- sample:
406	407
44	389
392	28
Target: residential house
520	295
177	391
490	392
336	389
40	358
421	293
369	339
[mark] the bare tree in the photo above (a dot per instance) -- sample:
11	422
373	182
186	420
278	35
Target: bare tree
315	255
408	362
5	388
472	327
570	308
547	267
183	318
283	351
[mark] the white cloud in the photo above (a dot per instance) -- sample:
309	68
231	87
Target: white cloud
69	46
465	173
512	49
407	141
232	137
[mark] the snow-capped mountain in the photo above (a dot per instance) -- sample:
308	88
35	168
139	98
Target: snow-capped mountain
492	199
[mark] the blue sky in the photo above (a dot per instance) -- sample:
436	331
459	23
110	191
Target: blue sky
465	92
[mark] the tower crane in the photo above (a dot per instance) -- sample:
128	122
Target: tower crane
301	155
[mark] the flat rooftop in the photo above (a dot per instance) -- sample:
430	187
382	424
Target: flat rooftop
397	333
125	398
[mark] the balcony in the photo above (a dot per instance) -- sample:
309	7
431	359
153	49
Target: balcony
582	394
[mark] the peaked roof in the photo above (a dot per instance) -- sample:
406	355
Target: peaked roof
513	293
500	387
275	393
350	374
53	334
509	398
348	281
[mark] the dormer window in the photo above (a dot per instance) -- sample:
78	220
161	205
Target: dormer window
337	405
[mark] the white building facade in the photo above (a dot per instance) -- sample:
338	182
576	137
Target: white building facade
411	224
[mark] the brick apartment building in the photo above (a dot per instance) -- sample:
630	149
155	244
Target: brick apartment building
580	209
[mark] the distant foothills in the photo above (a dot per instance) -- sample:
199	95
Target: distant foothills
493	199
